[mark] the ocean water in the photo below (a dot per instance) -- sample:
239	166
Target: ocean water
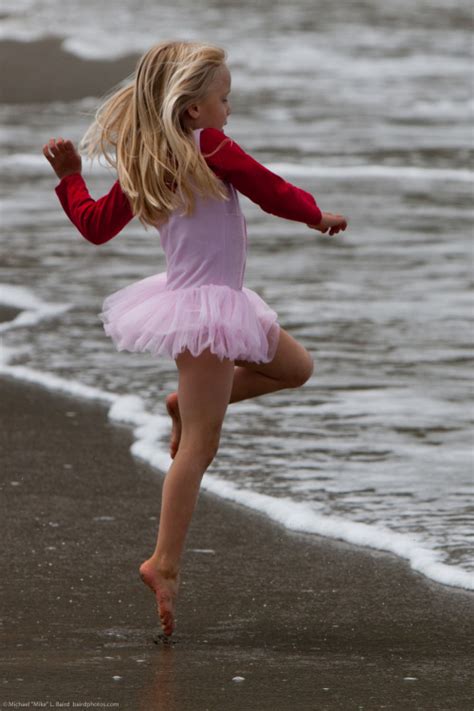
368	106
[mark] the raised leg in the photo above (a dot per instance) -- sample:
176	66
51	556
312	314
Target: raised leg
291	367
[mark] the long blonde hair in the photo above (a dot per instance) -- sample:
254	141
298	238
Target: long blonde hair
157	162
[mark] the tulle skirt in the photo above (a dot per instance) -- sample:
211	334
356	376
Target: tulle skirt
235	324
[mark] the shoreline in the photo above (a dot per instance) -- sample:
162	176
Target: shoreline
339	623
227	492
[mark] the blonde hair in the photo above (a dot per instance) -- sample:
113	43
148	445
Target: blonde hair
157	162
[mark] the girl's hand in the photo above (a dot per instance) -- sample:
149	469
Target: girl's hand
63	157
330	222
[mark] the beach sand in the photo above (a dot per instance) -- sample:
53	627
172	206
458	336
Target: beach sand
31	72
308	622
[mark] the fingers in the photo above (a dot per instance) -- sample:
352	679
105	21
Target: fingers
50	149
55	147
46	153
336	228
340	224
65	145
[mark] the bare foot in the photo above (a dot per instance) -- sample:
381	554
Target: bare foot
165	587
173	411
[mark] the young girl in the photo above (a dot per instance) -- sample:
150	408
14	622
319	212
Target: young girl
179	172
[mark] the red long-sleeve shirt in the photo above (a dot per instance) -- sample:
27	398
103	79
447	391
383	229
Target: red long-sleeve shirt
101	220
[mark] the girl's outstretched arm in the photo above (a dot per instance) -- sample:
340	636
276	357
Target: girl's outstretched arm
274	194
97	220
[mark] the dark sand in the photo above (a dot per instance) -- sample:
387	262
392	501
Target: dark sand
8	313
308	622
41	71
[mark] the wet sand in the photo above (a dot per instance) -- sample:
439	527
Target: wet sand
40	71
308	622
8	313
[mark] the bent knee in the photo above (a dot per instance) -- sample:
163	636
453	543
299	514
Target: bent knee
303	372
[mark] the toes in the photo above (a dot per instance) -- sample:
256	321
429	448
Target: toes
166	620
164	600
167	625
165	612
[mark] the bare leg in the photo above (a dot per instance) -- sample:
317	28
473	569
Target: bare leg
246	384
179	494
291	367
204	389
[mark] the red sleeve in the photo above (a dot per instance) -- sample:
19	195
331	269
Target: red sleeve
274	194
97	220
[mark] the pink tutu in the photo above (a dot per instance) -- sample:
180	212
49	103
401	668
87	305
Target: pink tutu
146	316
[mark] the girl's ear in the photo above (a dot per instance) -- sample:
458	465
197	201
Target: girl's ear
193	111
